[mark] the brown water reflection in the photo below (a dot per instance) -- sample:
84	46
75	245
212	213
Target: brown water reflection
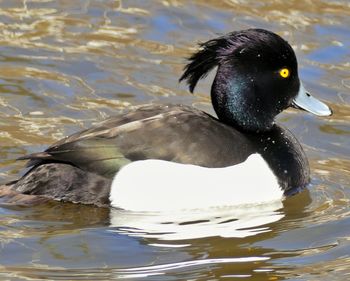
67	64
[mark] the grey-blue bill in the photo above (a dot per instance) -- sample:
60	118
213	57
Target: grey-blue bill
304	100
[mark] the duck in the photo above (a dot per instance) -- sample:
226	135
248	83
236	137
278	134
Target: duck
165	157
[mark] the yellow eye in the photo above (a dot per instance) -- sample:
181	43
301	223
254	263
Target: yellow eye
284	72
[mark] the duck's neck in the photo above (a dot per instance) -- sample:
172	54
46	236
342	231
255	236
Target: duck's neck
237	103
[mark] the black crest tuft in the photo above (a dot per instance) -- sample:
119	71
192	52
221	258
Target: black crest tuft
203	61
246	43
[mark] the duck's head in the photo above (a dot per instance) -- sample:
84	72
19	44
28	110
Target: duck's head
257	78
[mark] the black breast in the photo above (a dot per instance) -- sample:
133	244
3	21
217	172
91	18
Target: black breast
285	156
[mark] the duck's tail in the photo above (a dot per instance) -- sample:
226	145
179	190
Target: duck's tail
9	196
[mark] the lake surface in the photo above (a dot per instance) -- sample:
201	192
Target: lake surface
65	65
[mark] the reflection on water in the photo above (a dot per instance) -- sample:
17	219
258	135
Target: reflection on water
67	64
237	221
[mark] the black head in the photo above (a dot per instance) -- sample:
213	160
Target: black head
257	77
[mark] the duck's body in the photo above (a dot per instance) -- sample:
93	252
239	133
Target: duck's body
83	167
88	161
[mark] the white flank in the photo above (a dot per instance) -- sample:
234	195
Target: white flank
157	185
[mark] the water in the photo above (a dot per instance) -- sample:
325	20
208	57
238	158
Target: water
67	64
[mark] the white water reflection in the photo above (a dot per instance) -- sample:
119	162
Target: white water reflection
236	221
147	271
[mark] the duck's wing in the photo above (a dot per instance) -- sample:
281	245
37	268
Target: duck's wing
174	133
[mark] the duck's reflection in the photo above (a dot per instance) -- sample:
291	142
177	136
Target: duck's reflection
229	222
